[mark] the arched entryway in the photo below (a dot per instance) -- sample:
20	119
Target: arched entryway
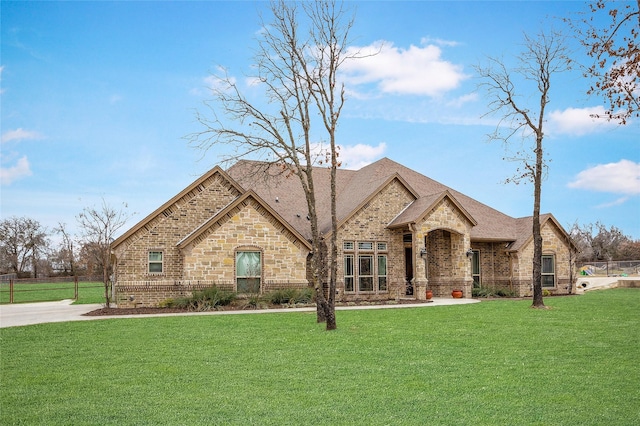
447	266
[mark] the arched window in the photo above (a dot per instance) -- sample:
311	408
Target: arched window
248	271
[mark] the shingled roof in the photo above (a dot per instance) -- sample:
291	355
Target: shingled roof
283	192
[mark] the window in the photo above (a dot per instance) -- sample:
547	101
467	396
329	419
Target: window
367	245
365	270
475	268
155	262
248	271
382	273
348	273
365	273
548	271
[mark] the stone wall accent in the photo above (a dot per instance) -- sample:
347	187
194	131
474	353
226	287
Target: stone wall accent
553	243
445	234
249	227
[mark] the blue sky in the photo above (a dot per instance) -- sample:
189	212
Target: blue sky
98	97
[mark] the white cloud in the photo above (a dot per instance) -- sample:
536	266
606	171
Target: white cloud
412	71
617	202
462	100
439	41
20	170
622	177
20	134
355	157
578	121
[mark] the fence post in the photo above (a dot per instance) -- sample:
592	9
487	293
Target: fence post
11	290
75	287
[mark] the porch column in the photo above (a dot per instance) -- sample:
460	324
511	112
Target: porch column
421	279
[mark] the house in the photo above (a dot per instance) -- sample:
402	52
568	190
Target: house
399	233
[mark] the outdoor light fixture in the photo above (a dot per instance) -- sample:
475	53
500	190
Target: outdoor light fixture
469	253
423	252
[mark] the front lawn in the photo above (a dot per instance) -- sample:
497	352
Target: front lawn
492	363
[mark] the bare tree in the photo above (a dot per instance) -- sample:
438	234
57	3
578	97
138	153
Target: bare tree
540	60
615	52
99	226
66	255
22	241
597	242
297	70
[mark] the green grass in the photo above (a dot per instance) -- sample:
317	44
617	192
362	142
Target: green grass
88	292
492	363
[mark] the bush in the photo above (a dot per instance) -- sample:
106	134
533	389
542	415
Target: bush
489	292
289	296
254	301
505	292
206	300
166	303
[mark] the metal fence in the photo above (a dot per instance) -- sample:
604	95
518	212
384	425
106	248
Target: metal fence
614	268
42	289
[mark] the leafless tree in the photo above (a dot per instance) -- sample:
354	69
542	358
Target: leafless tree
542	57
99	226
22	241
597	242
66	255
297	60
615	51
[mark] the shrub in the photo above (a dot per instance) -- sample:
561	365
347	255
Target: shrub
252	302
205	300
505	292
489	292
304	295
166	303
289	296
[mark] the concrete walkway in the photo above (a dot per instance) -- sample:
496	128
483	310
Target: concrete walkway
20	314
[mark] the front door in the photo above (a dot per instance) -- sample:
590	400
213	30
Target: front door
408	267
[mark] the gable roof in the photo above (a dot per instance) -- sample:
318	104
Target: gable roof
227	209
285	195
174	201
417	210
358	192
280	193
525	232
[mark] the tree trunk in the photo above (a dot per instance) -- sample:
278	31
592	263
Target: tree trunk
537	236
105	280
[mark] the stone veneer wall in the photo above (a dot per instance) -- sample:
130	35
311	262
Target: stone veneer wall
370	224
553	243
249	227
170	226
445	233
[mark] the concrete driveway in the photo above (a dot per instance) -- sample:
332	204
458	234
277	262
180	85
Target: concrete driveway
43	312
37	313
